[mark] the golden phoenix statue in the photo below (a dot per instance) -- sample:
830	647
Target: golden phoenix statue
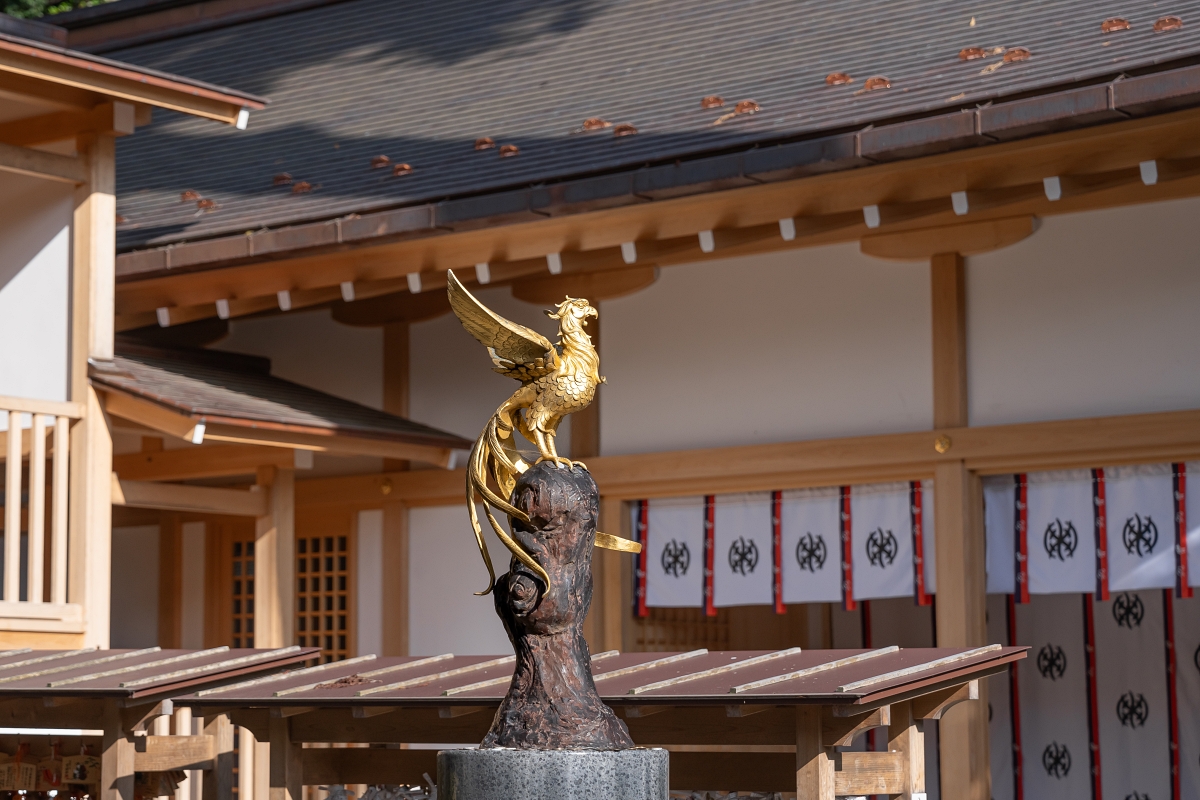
556	380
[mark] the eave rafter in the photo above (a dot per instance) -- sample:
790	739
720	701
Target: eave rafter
1136	161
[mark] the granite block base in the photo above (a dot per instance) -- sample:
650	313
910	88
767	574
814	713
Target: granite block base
504	774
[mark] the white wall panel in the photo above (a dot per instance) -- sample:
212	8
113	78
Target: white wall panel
452	383
444	567
369	579
1093	315
134	610
35	279
806	344
309	348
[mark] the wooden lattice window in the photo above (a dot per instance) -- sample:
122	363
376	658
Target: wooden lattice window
323	589
242	585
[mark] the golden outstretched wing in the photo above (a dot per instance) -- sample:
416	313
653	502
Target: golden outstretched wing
517	351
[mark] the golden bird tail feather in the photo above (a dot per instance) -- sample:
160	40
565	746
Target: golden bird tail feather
487	455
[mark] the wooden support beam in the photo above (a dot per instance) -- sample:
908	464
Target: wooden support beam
194	499
117	761
857	774
906	738
840	731
966	238
40	164
166	753
814	765
595	286
191	463
935	705
117	119
219	782
274	556
151	415
287	763
90	470
949	311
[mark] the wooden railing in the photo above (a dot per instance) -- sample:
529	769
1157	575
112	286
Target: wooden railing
36	447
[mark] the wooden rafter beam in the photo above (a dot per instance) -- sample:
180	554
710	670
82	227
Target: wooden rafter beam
196	462
196	499
39	164
114	118
1141	438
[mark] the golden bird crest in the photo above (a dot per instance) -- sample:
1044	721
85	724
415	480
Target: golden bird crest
556	380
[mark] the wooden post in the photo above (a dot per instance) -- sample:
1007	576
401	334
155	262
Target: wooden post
958	520
395	579
246	764
218	784
274	559
604	625
287	762
396	346
93	273
116	762
814	767
906	737
170	580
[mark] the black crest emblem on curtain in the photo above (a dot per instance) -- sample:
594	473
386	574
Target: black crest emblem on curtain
1139	535
811	552
881	548
743	555
1128	610
1056	759
676	558
1196	658
1060	540
1052	662
1132	710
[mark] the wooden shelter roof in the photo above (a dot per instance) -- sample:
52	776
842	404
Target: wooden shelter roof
347	88
787	677
95	674
235	398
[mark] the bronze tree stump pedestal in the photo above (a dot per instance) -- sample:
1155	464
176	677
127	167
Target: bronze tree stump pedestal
553	738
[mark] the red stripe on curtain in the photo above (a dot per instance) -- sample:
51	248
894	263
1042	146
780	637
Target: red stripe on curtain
643	529
1100	516
777	551
710	609
1183	587
918	539
1021	538
1014	706
847	553
1172	697
1089	633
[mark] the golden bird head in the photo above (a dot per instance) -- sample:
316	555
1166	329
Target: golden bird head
573	309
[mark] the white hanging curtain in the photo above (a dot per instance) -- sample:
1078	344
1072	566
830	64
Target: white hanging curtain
881	541
1141	537
999	523
1131	694
1061	532
1187	686
812	562
1053	698
675	552
999	700
1193	521
743	550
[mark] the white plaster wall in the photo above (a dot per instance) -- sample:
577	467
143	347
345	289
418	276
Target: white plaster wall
309	348
191	590
806	344
444	569
369	580
1095	314
134	610
35	275
452	385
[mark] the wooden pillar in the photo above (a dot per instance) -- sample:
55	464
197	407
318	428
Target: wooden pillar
274	559
170	580
247	764
116	762
906	737
814	767
287	762
395	579
93	271
218	784
958	521
604	626
396	346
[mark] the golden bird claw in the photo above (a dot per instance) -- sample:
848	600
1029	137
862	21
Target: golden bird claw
559	460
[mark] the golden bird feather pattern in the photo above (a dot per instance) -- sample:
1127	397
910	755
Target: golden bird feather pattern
556	380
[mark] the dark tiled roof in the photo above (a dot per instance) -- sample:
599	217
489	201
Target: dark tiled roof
240	390
420	82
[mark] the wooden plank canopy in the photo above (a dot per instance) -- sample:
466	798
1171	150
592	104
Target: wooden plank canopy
804	704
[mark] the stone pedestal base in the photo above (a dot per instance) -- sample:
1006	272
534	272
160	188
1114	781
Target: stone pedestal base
503	774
